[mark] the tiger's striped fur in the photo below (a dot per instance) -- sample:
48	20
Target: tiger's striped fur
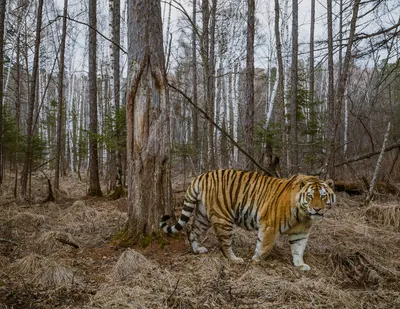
224	198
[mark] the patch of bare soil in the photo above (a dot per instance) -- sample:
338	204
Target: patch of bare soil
59	256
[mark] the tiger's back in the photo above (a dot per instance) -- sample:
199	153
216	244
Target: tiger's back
224	198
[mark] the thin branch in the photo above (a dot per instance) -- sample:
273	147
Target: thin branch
368	155
97	31
206	116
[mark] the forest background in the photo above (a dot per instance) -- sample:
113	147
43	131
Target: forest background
281	87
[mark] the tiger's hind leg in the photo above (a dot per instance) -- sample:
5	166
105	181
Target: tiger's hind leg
224	230
200	225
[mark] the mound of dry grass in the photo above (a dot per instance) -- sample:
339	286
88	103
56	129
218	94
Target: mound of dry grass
131	264
39	270
51	241
27	220
91	226
387	215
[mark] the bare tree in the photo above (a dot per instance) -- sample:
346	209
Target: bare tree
147	120
195	119
94	182
26	172
281	84
249	119
294	156
2	26
60	97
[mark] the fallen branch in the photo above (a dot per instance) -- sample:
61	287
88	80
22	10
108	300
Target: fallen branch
67	242
368	155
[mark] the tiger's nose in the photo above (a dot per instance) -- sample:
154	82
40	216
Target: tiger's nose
317	209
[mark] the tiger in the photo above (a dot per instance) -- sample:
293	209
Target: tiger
272	206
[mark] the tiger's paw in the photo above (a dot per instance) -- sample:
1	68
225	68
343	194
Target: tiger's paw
237	260
304	267
201	250
256	259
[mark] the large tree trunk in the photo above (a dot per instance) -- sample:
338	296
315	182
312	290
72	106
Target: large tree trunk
249	119
147	120
60	98
32	99
94	182
2	26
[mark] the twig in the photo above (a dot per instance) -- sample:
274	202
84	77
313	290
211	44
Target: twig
173	292
9	241
68	242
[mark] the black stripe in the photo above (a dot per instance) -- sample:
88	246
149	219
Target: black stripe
169	230
184	218
163	224
178	227
187	208
295	240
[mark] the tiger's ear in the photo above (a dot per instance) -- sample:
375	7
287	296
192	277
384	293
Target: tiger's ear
330	183
303	182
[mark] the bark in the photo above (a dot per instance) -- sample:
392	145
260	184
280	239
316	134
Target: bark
370	194
195	119
2	26
249	119
60	98
94	181
281	85
32	100
211	87
147	120
294	156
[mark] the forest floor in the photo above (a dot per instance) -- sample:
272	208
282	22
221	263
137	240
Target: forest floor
354	253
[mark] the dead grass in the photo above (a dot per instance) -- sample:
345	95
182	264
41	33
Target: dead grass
387	215
51	241
131	264
354	254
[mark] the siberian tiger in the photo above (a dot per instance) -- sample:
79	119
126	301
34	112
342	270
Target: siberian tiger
223	198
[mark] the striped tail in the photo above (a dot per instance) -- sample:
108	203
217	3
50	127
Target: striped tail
189	205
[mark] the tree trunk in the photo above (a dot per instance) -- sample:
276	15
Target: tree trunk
294	155
331	96
249	120
195	118
147	120
32	99
2	29
60	140
94	182
281	87
336	111
377	168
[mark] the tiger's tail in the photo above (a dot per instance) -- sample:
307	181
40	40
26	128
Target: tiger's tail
189	205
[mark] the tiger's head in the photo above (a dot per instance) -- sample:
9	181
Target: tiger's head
315	196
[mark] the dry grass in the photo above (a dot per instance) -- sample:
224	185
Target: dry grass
131	264
354	254
387	215
51	241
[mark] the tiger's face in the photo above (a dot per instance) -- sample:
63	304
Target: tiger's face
316	197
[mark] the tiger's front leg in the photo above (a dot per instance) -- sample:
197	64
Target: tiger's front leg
265	242
298	243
